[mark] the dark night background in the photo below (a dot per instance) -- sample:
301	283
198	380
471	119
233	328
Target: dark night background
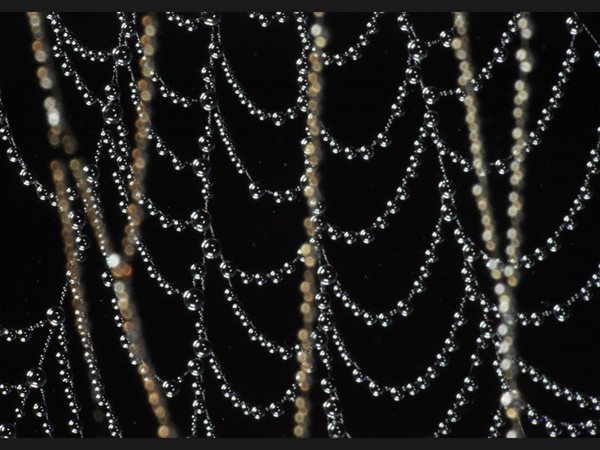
259	235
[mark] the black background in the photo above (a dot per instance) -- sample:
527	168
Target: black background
259	235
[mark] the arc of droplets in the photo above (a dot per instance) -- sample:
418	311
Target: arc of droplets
327	388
